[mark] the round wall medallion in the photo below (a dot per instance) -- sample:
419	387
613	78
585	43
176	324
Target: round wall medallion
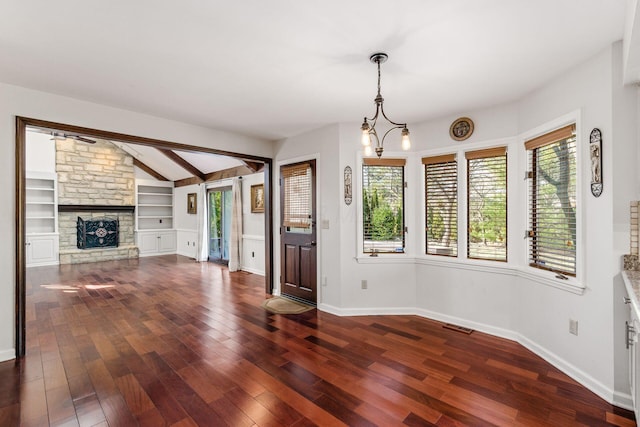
461	129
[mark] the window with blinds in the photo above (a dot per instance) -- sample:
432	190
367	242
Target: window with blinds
552	201
487	204
441	200
297	184
383	205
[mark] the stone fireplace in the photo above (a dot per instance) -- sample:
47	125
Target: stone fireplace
95	181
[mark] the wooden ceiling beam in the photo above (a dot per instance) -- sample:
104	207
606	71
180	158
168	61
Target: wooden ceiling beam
254	166
148	170
215	176
183	163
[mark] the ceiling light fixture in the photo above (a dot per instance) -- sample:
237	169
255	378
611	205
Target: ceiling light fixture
368	127
60	136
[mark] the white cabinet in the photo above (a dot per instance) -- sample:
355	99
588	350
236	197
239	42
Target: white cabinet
42	249
41	213
632	332
156	242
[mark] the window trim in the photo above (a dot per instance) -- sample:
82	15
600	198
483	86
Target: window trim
485	154
531	154
407	256
573	284
434	160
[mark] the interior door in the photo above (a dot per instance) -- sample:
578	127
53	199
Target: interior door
298	231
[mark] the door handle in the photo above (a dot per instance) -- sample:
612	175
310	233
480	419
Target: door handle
313	243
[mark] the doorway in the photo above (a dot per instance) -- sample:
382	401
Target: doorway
20	205
298	252
220	203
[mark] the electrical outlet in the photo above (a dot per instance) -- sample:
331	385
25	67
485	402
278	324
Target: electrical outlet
363	284
573	327
253	254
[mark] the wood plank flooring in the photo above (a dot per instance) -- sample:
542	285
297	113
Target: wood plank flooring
167	341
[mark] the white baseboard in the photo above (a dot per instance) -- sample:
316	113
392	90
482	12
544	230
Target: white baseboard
481	327
7	354
252	270
622	400
185	254
398	311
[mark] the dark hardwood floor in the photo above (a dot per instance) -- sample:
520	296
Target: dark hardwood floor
166	341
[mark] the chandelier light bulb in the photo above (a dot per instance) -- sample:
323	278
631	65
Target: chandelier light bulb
367	150
406	142
366	138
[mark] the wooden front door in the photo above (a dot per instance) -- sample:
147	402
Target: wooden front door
298	230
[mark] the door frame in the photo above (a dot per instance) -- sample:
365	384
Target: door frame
20	207
277	218
221	189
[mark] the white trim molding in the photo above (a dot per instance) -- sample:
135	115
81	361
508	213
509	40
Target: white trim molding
9	354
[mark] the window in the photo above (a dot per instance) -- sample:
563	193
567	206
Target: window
487	204
441	200
383	205
552	203
298	201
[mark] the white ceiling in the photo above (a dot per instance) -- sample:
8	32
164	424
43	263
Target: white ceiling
277	68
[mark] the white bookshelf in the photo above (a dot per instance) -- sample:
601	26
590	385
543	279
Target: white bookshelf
154	205
41	213
155	233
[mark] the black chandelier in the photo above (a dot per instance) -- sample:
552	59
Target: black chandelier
368	127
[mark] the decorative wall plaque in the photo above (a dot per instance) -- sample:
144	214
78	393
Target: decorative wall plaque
461	129
348	186
595	154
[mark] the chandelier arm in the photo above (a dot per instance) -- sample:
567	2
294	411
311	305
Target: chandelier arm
389	120
393	128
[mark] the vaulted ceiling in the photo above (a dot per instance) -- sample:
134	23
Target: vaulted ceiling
277	68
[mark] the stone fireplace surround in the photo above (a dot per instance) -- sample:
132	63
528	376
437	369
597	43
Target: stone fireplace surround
94	181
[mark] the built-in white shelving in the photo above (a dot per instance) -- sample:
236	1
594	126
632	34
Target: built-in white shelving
41	213
154	217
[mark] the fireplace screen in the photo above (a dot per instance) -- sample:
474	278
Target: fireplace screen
97	233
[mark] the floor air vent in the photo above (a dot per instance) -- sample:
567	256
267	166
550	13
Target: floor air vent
457	328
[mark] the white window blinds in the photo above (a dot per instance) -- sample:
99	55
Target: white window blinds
441	199
552	201
487	204
297	183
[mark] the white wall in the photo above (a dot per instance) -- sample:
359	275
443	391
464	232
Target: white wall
186	224
18	101
322	145
40	153
253	250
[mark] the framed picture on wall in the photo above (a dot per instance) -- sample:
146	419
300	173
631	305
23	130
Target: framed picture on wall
192	203
257	198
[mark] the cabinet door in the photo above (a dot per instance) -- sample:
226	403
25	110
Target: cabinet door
167	242
635	364
42	250
148	242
